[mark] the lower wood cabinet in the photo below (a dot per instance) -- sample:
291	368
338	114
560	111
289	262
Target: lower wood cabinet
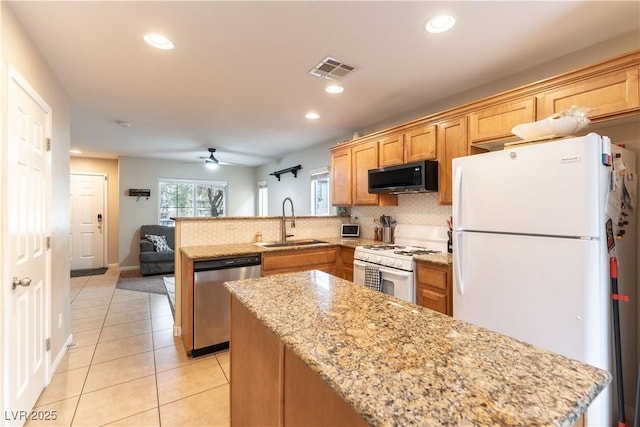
323	259
345	262
271	386
434	287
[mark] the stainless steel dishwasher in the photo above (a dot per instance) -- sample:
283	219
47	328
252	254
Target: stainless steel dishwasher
211	299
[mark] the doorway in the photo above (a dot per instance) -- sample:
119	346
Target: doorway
26	265
88	221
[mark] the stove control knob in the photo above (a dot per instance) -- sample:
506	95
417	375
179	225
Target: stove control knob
364	257
398	263
378	259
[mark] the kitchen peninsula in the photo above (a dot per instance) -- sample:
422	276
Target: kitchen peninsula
310	347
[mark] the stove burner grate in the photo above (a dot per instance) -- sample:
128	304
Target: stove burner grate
383	247
417	252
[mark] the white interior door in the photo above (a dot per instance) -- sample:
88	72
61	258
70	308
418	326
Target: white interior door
27	260
87	221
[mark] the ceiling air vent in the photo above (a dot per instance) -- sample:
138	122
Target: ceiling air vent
331	69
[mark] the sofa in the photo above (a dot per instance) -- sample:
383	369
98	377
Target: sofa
156	257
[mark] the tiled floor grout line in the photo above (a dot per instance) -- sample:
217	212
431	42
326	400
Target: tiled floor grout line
95	348
169	359
155	367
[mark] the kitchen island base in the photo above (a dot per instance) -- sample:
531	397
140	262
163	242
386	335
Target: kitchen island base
271	386
309	348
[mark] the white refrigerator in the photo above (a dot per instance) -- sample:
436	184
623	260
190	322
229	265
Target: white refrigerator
530	253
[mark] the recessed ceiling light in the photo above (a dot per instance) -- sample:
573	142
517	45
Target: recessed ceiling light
334	89
312	116
159	41
124	124
440	23
75	151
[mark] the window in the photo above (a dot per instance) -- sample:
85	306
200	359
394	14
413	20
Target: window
320	194
263	198
191	198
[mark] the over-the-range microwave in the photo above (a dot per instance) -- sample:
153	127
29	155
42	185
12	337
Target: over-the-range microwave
416	177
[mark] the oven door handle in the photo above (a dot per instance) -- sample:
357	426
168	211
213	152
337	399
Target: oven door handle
383	270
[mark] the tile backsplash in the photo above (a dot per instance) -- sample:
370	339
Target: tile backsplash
219	231
421	208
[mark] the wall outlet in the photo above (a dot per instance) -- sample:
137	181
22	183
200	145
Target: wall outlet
59	320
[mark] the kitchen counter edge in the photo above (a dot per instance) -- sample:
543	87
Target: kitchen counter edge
204	252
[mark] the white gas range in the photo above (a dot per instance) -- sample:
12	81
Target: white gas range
395	261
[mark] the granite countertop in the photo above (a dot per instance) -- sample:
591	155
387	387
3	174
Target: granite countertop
398	364
241	249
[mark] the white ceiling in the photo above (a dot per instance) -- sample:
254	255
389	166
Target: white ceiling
238	78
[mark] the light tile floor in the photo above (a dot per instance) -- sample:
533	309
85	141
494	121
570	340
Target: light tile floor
127	369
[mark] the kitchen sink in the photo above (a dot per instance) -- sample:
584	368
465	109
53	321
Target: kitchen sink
291	243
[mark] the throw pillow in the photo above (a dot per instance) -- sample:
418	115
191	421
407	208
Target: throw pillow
159	243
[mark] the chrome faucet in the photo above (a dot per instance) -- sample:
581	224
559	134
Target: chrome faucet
283	222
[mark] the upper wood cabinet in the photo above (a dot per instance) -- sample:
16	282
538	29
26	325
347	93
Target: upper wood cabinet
611	88
608	95
420	143
363	157
391	150
350	176
412	145
452	143
496	122
341	177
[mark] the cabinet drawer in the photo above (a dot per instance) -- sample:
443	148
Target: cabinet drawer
293	260
433	300
432	277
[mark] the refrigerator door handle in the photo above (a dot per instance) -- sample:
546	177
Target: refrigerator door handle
457	203
457	264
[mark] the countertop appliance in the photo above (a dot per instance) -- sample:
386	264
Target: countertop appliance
416	177
211	299
350	230
395	260
530	251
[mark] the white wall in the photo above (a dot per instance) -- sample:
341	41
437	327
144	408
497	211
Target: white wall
17	49
299	189
138	172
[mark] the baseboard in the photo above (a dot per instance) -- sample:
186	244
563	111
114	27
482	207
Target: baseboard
114	265
59	357
177	331
135	267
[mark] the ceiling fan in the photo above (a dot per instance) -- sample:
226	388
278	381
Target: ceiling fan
210	161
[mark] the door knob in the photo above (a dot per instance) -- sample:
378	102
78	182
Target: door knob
24	282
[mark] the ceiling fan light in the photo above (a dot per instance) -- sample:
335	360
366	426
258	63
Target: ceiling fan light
210	164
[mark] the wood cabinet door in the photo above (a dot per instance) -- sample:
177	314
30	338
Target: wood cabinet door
363	157
346	262
608	95
496	122
341	177
391	150
430	299
420	143
434	287
452	143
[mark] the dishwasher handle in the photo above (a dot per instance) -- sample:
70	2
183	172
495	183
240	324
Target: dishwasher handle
219	264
